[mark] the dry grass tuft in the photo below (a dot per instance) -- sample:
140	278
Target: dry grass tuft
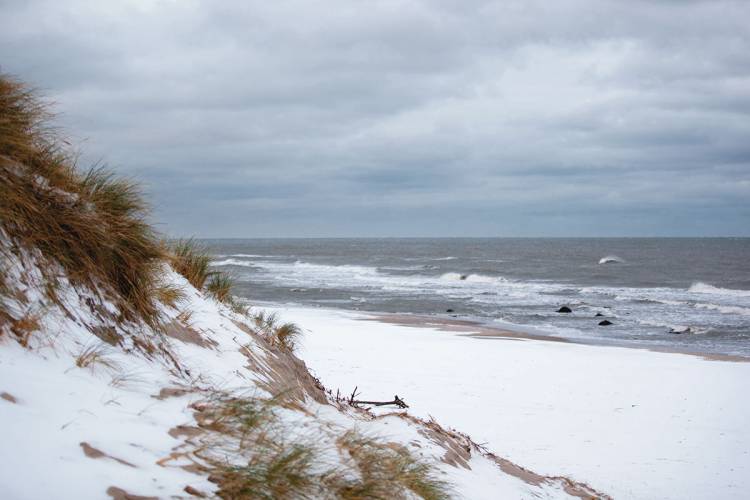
265	322
279	463
23	328
388	470
170	295
273	465
220	287
287	335
185	318
92	224
191	260
240	308
277	474
126	380
95	355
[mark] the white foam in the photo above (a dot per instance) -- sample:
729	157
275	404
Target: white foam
232	262
471	278
480	278
611	259
742	311
700	287
345	268
453	277
253	256
404	268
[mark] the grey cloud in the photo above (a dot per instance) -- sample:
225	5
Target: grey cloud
397	118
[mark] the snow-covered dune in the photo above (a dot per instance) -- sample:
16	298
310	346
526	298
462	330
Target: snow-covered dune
82	418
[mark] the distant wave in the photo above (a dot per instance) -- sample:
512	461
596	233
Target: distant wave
232	262
700	287
429	258
335	268
424	267
471	278
611	259
252	255
743	311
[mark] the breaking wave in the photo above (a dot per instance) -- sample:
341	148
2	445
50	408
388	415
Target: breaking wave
232	262
472	278
705	288
328	269
611	259
743	311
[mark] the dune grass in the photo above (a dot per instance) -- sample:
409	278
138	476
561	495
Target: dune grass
272	465
93	224
24	327
220	287
282	335
388	470
170	295
280	463
94	355
191	260
287	335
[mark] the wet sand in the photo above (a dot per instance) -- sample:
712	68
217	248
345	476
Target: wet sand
474	329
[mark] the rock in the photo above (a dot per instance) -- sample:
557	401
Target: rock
565	309
678	330
449	310
605	323
597	315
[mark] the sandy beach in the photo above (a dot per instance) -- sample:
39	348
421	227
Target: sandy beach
478	330
632	423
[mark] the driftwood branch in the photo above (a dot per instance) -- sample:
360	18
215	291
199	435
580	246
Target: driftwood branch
352	400
397	401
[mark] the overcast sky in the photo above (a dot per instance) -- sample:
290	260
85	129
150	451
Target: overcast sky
406	118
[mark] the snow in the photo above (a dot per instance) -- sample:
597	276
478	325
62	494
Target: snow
631	423
56	409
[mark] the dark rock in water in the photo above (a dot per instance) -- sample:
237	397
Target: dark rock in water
605	323
565	309
449	310
463	277
597	315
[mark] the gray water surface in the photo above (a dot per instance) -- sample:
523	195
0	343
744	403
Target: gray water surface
647	287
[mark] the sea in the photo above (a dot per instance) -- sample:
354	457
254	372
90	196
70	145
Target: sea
686	294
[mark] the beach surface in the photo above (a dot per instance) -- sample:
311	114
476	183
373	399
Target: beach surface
632	423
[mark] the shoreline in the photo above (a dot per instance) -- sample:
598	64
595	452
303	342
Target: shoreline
478	330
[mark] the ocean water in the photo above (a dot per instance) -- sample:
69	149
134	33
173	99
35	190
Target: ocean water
649	288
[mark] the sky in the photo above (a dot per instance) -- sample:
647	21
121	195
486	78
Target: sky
349	118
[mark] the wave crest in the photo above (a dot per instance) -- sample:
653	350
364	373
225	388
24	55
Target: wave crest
471	278
232	262
705	288
611	259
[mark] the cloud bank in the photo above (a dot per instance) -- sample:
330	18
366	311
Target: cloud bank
406	118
